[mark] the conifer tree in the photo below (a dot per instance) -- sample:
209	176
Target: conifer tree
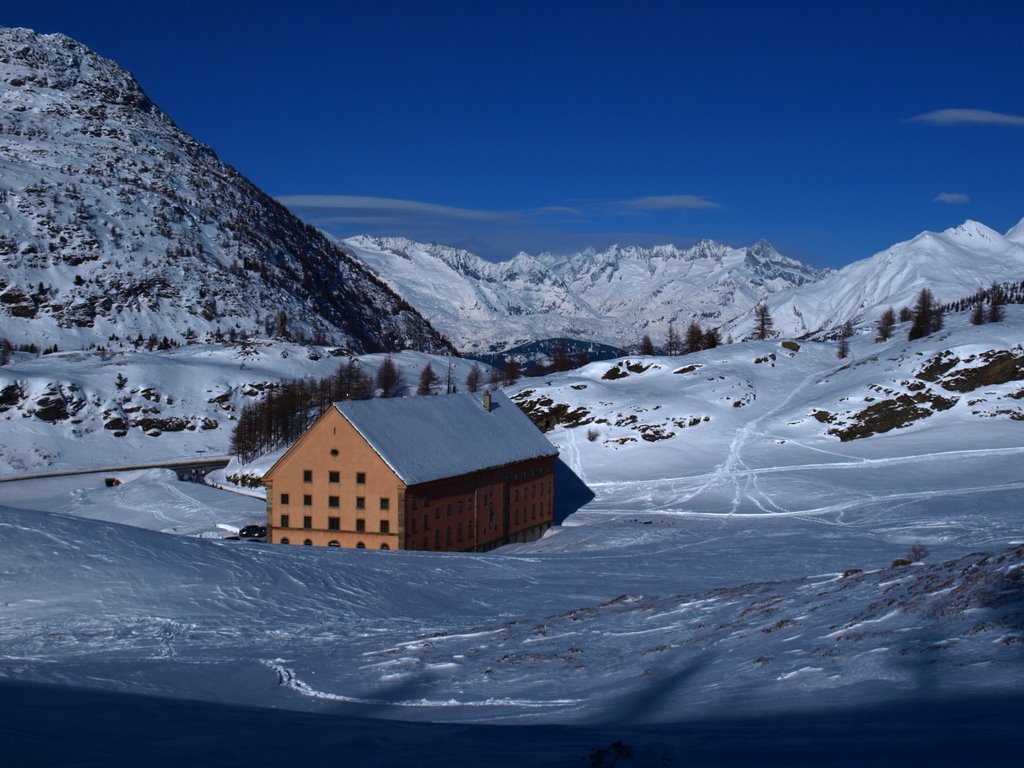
712	338
996	300
646	345
388	378
673	341
511	371
473	378
924	315
694	337
885	324
428	380
978	312
762	322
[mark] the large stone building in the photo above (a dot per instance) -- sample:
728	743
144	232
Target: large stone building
461	472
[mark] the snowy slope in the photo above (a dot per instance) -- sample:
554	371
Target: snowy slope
953	264
72	410
612	297
736	577
115	224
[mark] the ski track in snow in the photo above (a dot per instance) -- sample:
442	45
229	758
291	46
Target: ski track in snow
288	679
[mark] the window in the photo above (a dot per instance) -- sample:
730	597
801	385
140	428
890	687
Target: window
333	523
360	502
448	535
307	475
334	477
307	543
361	478
437	538
334	543
284	499
470	529
360	545
412	525
458	532
307	522
385	526
426	522
385	503
284	521
458	508
437	513
285	541
414	501
449	510
360	525
469	504
384	546
307	500
333	501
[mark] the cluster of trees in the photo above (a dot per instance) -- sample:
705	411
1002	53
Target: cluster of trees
927	315
695	339
290	408
7	349
995	297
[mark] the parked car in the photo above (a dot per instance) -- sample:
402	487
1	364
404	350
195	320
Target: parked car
253	532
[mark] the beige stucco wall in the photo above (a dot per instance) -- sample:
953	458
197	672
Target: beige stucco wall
332	444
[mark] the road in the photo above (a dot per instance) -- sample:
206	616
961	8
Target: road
187	469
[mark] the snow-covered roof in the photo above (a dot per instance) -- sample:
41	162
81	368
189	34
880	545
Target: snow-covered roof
428	438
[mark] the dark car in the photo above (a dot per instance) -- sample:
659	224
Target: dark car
254	532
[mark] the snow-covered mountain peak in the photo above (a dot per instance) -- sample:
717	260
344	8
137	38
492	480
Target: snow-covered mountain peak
952	264
974	231
1016	233
116	225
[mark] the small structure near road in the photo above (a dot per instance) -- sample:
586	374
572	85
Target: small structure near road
460	472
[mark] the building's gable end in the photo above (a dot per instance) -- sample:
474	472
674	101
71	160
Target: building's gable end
296	447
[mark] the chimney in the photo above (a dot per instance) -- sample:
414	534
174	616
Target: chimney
487	400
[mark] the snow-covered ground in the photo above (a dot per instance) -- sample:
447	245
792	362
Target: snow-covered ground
729	593
117	408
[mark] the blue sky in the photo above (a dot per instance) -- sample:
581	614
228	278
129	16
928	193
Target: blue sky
831	130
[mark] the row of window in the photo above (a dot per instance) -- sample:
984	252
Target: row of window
334	501
333	476
335	543
334	523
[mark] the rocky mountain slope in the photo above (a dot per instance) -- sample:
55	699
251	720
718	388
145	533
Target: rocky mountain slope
114	223
612	297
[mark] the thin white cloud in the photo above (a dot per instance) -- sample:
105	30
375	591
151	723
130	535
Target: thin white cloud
666	203
952	198
560	209
968	117
390	205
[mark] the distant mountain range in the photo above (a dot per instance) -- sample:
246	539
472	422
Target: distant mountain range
612	297
615	296
114	222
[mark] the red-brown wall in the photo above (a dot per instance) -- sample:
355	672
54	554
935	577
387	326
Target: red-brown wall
481	510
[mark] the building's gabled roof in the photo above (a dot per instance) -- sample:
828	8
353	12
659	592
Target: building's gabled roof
428	438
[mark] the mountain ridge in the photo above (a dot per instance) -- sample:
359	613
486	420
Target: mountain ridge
612	296
115	224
